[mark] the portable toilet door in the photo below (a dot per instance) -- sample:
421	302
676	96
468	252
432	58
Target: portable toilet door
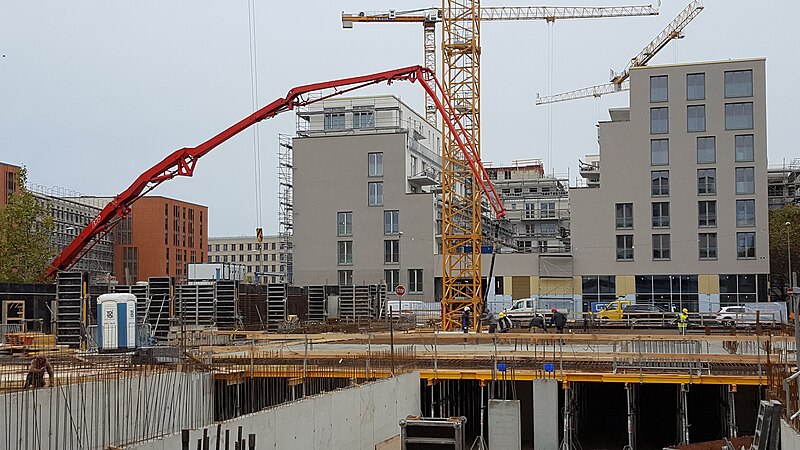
107	322
133	337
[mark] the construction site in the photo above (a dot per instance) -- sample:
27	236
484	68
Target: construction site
511	310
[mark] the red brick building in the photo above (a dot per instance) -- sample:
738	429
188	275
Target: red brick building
8	182
160	237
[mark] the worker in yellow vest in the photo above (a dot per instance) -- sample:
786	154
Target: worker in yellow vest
683	321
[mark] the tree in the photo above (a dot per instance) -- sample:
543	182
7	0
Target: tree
779	256
25	228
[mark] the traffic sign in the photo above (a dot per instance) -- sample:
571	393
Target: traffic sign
400	290
790	291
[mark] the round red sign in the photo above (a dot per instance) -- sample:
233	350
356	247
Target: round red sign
400	290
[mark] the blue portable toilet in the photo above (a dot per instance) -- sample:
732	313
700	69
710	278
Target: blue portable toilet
116	321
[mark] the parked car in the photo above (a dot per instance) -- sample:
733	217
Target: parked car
647	313
738	315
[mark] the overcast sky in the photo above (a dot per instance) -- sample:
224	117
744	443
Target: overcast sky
95	92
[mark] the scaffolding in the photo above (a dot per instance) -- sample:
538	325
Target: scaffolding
285	204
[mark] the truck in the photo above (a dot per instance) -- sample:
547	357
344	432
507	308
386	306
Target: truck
523	310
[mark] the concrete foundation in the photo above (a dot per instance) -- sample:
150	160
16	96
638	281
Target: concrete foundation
101	414
354	418
545	414
504	425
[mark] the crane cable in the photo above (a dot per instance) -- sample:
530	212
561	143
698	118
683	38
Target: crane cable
550	51
251	12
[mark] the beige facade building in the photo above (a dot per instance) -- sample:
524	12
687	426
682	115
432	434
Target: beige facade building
264	262
676	208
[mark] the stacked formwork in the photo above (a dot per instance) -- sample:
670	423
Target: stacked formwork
347	307
159	302
69	298
252	306
194	304
226	314
317	312
276	305
377	294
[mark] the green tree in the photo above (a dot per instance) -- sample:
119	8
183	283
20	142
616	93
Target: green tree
782	239
25	228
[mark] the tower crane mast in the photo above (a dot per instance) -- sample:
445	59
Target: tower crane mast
619	82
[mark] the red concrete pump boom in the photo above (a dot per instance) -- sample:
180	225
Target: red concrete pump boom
182	162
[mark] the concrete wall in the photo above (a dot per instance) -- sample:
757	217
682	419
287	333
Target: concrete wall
790	439
355	418
99	414
504	425
545	414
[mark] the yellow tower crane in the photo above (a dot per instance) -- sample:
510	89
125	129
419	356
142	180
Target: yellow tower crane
619	81
461	194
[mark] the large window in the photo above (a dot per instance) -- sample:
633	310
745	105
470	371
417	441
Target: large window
598	288
391	251
345	277
345	253
707	181
415	281
706	149
376	193
707	213
661	246
745	180
695	118
659	152
744	147
746	245
736	289
334	118
696	86
707	245
547	209
659	120
344	223
625	247
660	214
375	164
659	91
745	213
392	277
673	292
738	116
624	214
659	183
739	83
391	222
363	118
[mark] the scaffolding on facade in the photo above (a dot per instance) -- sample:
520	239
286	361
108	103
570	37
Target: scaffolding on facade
285	204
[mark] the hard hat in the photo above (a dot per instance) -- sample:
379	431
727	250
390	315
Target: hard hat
466	308
685	311
502	314
553	310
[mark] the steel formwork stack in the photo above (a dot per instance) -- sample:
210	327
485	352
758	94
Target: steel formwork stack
69	296
316	303
195	304
226	309
276	305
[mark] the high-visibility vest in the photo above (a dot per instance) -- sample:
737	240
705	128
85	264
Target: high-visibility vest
682	319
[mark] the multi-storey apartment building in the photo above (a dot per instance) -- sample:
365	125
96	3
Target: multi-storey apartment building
8	182
677	209
265	262
364	207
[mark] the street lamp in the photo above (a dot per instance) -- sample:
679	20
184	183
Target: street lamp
790	284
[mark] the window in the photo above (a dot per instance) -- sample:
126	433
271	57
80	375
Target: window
375	164
376	193
745	245
738	116
744	147
660	214
391	222
625	247
707	213
345	277
659	120
216	247
745	181
706	149
739	83
659	183
530	211
598	288
659	91
392	277
225	247
415	281
344	223
548	209
696	86
745	213
506	174
659	152
707	245
624	213
706	181
696	118
334	119
363	119
345	254
661	248
737	289
391	251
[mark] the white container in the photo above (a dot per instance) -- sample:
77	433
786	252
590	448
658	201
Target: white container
116	321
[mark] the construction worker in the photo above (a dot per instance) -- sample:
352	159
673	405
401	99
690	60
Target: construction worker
465	319
36	371
504	323
538	322
492	320
683	321
558	319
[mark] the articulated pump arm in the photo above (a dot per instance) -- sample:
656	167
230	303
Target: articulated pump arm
182	162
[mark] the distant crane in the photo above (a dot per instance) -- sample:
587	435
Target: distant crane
429	17
619	82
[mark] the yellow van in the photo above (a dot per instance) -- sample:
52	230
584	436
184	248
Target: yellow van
613	311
